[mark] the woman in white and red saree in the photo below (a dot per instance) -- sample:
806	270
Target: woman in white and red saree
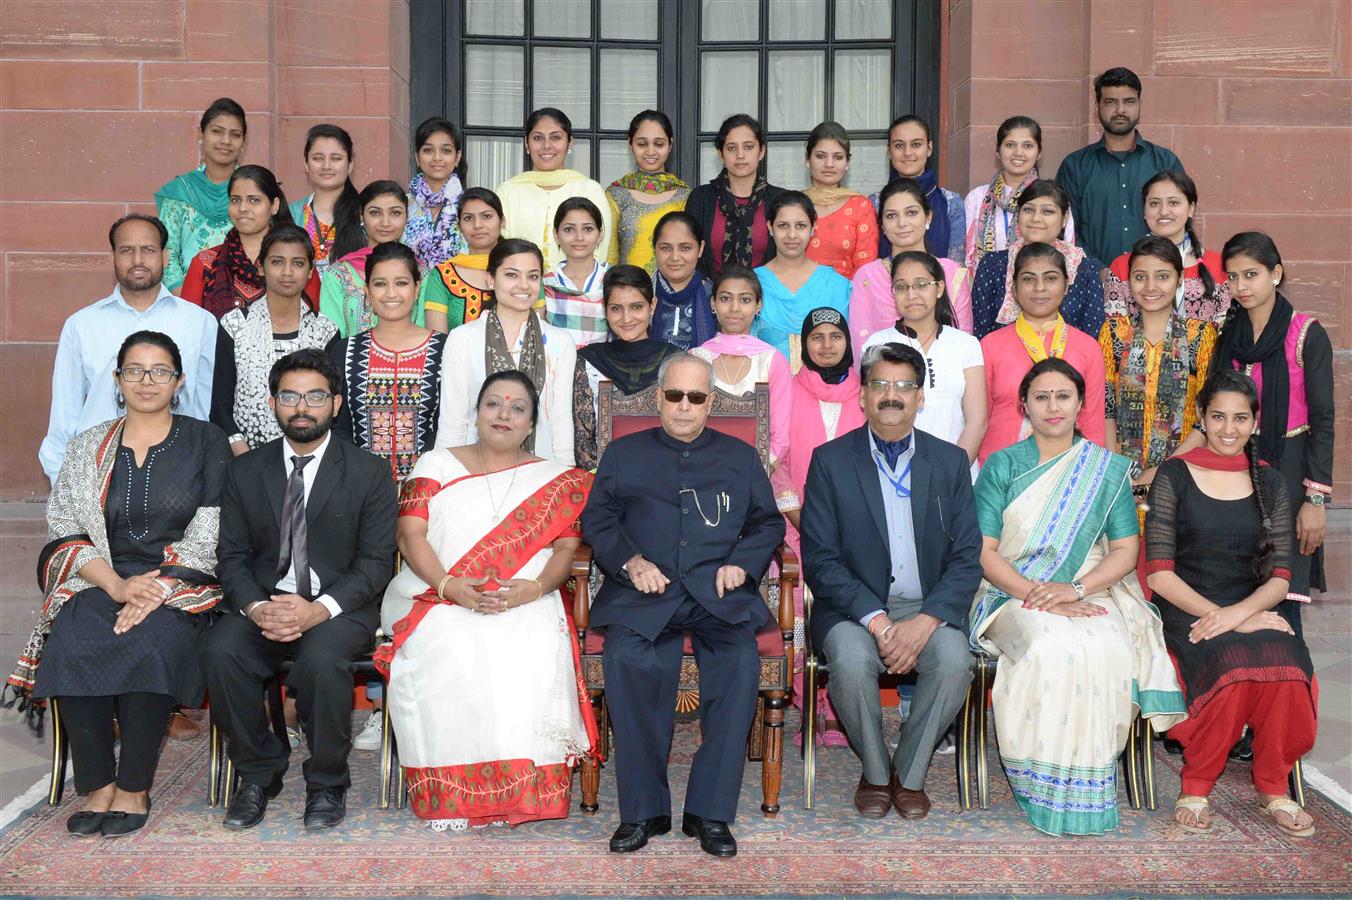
485	690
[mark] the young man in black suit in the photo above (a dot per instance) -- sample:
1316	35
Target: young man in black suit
892	552
306	547
682	521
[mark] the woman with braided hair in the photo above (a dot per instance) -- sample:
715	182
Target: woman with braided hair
1219	542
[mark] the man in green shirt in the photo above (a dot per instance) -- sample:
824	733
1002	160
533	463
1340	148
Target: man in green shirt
1105	179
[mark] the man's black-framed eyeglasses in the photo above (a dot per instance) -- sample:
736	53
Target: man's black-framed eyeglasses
312	398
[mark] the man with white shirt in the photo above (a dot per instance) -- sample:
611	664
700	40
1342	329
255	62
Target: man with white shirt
306	547
83	393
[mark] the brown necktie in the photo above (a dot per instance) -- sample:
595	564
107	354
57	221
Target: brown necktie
295	542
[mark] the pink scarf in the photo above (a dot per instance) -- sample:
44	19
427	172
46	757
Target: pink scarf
807	431
1009	310
781	380
735	345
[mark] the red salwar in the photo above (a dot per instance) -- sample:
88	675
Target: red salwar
1281	715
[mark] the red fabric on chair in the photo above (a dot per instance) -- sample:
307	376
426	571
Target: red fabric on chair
769	642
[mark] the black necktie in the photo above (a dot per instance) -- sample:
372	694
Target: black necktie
295	543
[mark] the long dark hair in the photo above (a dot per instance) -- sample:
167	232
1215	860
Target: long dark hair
943	310
266	182
1257	246
347	211
442	125
1188	188
1235	382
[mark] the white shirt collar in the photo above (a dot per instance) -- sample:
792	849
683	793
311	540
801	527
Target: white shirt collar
116	297
317	453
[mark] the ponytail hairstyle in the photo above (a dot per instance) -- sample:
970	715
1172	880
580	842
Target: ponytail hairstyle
828	131
1156	247
1038	250
1060	367
393	250
943	310
347	211
223	106
1257	246
1235	382
1188	188
270	187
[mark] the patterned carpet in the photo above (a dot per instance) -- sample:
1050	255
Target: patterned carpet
185	852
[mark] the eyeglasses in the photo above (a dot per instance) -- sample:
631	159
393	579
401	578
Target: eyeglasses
901	288
696	398
159	374
901	387
312	398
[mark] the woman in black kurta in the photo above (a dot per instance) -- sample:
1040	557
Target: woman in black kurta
129	568
1219	566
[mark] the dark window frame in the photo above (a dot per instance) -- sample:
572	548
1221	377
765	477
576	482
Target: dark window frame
438	68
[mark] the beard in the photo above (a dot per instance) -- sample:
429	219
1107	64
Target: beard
139	283
304	434
1119	128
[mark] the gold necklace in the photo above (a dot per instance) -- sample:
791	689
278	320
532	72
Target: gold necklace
515	467
727	378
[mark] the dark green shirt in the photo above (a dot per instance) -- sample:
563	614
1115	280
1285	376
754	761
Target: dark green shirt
1105	193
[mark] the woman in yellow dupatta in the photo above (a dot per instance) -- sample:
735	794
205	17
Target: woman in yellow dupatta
531	198
1081	651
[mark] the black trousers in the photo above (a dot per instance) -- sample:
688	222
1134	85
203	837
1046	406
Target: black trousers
238	662
641	682
88	721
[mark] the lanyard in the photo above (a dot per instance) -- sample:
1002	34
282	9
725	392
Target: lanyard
898	483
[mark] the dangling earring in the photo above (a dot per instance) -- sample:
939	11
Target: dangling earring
1200	427
173	404
120	400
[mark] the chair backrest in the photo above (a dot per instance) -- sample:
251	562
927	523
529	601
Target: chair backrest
746	418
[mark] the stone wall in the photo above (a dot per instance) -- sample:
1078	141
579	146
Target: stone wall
99	105
1255	97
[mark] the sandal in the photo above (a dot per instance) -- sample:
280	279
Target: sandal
1197	806
1292	809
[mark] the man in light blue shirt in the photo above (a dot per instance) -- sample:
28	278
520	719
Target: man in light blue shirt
83	390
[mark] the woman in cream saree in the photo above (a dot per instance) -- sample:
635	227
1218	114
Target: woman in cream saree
484	686
1083	652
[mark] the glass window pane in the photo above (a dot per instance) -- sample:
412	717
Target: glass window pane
863	19
580	156
869	166
628	85
798	20
562	18
631	20
863	88
493	85
492	160
614	161
784	165
709	163
796	97
728	84
562	79
495	17
729	20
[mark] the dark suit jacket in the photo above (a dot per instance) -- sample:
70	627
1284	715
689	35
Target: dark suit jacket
846	553
701	203
641	503
350	519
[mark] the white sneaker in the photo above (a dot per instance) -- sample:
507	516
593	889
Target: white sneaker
370	736
947	746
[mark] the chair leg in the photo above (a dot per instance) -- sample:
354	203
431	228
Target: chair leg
386	756
228	787
60	754
964	760
983	794
1130	766
1298	783
772	763
808	729
215	765
277	708
590	774
1147	746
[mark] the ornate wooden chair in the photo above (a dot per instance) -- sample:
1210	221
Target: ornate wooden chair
746	418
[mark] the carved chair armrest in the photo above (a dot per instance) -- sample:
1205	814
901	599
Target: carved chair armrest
581	575
788	579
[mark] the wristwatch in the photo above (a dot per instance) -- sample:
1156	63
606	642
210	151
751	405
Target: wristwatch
1316	499
1079	589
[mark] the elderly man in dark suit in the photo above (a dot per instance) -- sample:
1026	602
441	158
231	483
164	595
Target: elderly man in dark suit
892	552
306	547
682	521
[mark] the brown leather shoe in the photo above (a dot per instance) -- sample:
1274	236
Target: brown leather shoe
873	800
181	728
909	804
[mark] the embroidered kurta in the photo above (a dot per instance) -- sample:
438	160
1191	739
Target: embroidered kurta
391	404
1117	299
847	238
246	288
632	241
444	291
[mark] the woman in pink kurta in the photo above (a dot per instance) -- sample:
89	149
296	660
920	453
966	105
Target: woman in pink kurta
903	215
1040	284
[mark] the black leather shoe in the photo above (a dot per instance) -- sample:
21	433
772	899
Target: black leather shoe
1243	748
631	836
116	824
714	837
325	807
85	824
249	804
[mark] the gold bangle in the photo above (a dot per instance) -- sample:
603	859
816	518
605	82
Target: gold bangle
538	585
442	585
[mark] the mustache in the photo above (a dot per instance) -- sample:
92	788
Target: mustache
892	404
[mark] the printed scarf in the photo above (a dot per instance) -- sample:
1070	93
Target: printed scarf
740	219
498	356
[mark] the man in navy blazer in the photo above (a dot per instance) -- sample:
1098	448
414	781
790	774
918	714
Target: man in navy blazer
892	552
683	522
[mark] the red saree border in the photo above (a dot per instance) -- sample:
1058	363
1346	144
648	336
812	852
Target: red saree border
514	790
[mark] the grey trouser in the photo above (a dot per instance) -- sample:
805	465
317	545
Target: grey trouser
943	672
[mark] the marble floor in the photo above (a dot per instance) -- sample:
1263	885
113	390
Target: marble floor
24	758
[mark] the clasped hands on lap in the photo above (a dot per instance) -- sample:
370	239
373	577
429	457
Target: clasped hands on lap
139	596
511	593
285	617
649	579
900	643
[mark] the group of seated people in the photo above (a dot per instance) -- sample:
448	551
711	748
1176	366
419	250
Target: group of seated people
961	464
